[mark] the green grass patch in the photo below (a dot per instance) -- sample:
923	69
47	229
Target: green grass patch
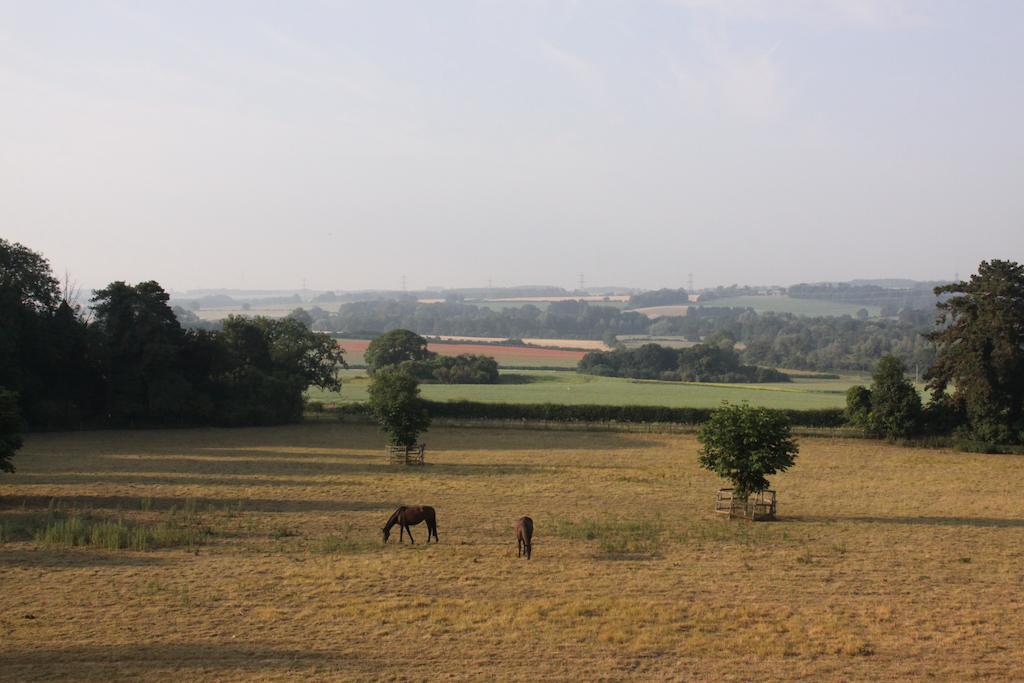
120	534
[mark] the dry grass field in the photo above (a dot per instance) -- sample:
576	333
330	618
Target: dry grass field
886	563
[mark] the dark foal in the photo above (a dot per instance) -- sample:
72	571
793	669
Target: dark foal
406	517
524	536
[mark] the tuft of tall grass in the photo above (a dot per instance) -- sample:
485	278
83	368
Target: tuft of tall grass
344	544
615	536
58	528
79	531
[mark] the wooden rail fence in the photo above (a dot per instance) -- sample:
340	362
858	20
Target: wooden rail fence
756	507
401	455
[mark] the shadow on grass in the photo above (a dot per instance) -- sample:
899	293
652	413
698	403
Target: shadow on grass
318	438
72	559
248	657
907	520
133	503
176	471
516	378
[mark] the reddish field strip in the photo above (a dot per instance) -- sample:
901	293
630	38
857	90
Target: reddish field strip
504	354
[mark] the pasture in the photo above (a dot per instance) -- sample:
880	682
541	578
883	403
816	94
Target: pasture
886	562
548	386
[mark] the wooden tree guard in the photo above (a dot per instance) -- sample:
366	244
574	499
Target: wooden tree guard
757	506
402	455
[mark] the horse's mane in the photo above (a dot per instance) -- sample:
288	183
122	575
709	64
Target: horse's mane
393	519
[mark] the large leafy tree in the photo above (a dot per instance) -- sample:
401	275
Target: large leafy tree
745	445
980	345
43	354
28	295
267	365
395	401
140	343
395	347
25	279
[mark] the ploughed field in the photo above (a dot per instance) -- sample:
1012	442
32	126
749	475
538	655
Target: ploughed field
259	557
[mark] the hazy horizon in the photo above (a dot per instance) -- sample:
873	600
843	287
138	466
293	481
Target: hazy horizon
342	146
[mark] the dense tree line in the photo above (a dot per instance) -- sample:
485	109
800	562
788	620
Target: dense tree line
810	343
700	363
977	379
921	296
561	319
562	412
131	363
659	297
770	339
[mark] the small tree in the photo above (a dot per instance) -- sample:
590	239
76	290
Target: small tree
895	403
396	404
891	407
745	445
9	427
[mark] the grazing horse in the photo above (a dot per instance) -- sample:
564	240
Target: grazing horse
524	536
406	517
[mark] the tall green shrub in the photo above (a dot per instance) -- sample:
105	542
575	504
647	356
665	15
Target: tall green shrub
396	404
745	445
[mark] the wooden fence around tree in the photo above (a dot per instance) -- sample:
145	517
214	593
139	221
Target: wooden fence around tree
402	455
757	506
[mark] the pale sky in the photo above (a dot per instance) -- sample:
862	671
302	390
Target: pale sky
261	144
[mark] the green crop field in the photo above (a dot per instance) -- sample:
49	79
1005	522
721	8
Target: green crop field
545	386
785	304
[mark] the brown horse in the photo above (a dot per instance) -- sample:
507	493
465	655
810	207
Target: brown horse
524	537
406	517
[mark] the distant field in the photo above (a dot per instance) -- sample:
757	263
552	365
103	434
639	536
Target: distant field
515	356
785	304
885	564
663	311
268	311
634	340
589	344
500	305
611	298
541	386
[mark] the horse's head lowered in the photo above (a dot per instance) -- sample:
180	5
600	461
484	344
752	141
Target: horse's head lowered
387	533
